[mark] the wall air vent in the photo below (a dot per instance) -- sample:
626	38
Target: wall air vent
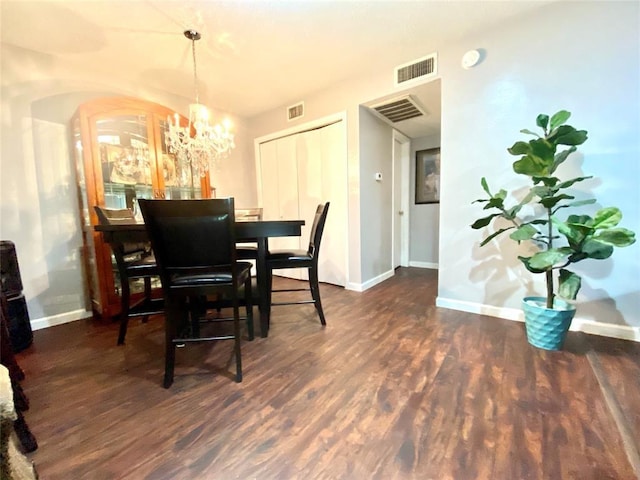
398	109
295	111
417	71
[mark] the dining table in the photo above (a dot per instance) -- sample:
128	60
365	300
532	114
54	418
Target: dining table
258	231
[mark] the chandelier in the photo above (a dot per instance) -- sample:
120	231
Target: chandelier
198	144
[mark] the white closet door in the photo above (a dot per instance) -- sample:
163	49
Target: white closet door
269	180
298	173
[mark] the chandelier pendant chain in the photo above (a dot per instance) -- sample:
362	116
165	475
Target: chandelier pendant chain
195	70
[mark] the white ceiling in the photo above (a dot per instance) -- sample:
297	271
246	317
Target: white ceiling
254	55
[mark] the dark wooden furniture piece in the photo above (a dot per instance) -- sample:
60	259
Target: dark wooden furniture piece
195	246
258	232
302	259
121	156
134	261
20	400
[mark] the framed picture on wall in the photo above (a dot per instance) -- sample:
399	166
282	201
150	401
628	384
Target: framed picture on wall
428	176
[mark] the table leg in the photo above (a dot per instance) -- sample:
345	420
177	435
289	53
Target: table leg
263	296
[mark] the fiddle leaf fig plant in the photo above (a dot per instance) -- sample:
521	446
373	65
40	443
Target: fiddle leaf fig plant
560	242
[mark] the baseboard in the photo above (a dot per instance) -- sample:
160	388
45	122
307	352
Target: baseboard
361	287
59	319
624	332
424	265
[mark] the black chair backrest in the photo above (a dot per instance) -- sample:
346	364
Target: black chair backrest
191	236
317	228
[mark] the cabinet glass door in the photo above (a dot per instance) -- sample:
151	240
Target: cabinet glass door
126	163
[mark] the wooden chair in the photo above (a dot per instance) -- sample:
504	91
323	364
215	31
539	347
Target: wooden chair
134	261
302	259
194	244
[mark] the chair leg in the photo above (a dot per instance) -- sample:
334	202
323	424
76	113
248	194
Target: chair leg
249	306
236	340
172	315
269	291
147	296
315	292
124	309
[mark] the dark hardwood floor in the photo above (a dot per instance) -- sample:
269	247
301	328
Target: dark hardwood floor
392	388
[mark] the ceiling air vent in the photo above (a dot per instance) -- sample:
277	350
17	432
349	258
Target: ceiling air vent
416	71
398	109
295	111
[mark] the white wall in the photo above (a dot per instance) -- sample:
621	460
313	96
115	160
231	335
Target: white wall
38	203
580	56
425	218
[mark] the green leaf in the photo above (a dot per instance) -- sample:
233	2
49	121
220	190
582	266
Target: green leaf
529	132
570	136
519	148
545	260
485	186
494	235
542	120
559	118
550	202
494	202
524	232
617	237
530	166
527	264
577	203
542	192
513	211
581	220
483	222
568	284
561	157
568	183
547	181
607	218
598	250
574	234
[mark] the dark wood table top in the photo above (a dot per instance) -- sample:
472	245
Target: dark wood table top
245	230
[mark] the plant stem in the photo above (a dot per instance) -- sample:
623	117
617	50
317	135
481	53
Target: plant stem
549	273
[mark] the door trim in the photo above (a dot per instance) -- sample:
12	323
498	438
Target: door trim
403	184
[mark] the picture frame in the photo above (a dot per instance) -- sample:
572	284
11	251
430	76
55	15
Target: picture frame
428	176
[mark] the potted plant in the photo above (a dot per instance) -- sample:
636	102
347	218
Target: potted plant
557	242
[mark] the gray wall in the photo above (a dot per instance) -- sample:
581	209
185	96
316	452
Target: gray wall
425	218
376	155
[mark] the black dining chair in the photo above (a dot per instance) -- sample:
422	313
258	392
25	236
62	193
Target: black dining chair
194	244
134	261
307	259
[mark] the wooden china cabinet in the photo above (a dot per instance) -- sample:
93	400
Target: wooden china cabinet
121	156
